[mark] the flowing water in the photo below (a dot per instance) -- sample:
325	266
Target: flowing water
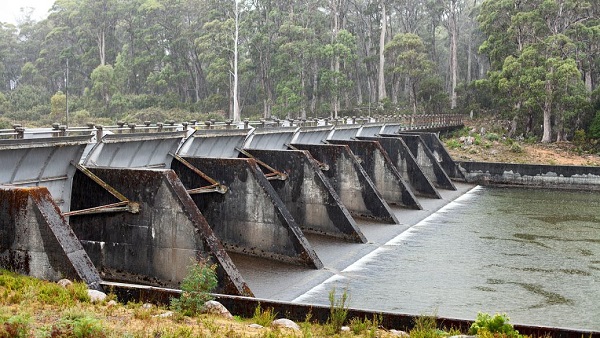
532	254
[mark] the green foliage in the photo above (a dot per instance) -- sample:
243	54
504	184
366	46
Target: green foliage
80	325
579	138
496	324
263	317
16	326
196	287
594	129
338	310
492	137
425	327
21	288
453	143
516	148
359	326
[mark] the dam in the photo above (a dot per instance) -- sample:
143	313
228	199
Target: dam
286	209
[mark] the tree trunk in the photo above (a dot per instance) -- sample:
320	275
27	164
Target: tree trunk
452	25
381	77
547	134
236	103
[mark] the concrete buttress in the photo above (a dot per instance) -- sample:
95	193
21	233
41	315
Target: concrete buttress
249	218
382	172
426	160
349	179
155	246
36	240
407	165
309	196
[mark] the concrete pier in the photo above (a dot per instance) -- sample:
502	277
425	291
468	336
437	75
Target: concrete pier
387	179
351	182
250	217
36	240
156	245
404	161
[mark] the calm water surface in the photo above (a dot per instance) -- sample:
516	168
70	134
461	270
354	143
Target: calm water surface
532	254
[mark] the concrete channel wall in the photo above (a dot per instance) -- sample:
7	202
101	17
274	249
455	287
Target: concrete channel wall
36	240
530	175
155	246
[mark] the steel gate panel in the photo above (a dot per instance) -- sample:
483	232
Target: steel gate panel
42	162
312	135
143	150
214	143
370	130
270	139
345	132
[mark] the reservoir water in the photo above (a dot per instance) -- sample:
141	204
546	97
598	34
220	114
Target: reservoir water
532	254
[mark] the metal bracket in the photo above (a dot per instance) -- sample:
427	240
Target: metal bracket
214	185
322	166
124	205
273	174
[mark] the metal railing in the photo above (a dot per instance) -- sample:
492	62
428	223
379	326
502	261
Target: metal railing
406	122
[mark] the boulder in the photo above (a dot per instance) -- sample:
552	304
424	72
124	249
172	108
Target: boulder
96	296
216	308
285	323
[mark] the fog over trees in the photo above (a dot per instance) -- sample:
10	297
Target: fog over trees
535	64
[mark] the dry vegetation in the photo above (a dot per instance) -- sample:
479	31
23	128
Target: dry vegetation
489	143
34	308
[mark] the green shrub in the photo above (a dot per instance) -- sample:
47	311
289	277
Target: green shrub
338	310
264	318
498	324
15	327
492	137
425	327
579	139
196	287
516	148
78	324
453	144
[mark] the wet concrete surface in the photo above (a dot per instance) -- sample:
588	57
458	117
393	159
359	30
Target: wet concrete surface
283	282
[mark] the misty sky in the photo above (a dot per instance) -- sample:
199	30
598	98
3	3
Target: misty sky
10	9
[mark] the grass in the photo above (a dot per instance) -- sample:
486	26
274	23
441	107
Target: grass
34	308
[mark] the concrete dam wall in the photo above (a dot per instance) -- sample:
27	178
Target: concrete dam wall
139	205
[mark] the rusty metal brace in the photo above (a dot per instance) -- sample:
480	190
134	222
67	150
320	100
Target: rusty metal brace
214	185
322	166
124	205
274	173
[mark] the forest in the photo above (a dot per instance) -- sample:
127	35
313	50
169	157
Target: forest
535	64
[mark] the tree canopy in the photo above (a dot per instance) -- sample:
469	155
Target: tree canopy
536	63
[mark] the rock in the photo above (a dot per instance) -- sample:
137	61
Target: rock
216	308
398	333
96	296
255	326
285	323
64	283
111	303
165	315
147	306
345	329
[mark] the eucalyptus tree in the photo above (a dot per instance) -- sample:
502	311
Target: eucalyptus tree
534	56
411	61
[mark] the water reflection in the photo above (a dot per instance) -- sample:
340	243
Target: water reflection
533	254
